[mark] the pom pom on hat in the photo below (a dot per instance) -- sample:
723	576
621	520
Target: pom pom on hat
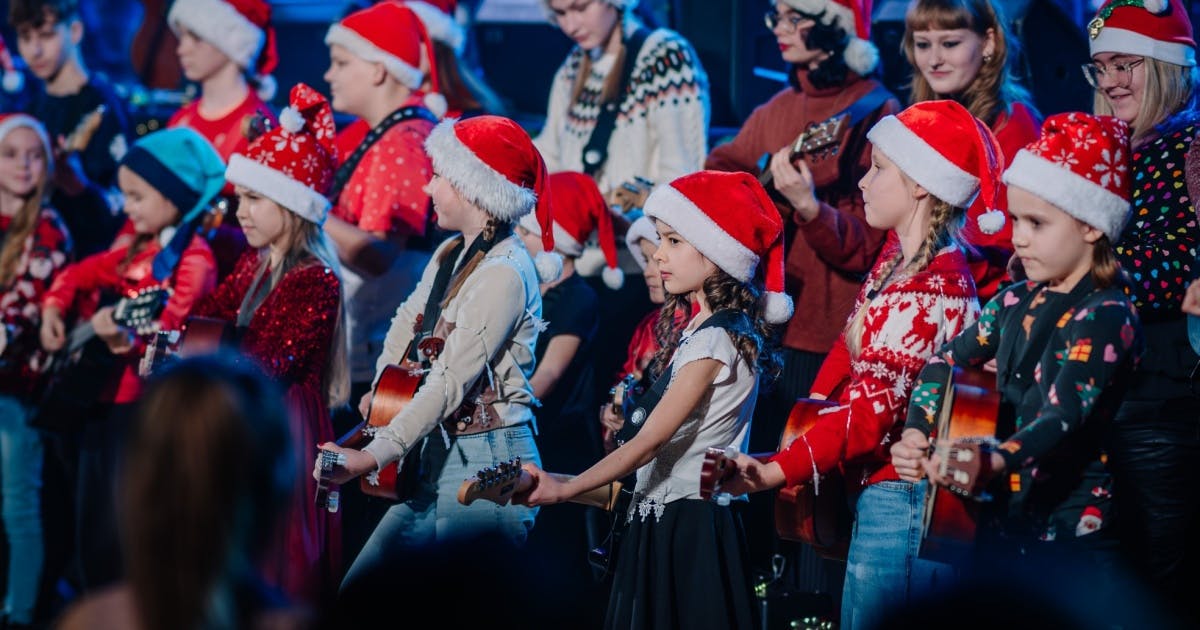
549	266
861	56
991	222
291	120
854	16
266	87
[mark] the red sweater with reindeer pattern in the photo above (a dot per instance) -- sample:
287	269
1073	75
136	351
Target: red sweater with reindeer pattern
904	324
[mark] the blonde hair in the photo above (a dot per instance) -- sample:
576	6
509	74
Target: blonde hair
1169	88
993	91
25	222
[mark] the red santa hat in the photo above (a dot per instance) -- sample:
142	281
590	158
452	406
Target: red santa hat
580	210
854	16
9	122
292	164
730	219
391	33
1081	165
440	23
1151	28
492	162
241	29
13	80
949	152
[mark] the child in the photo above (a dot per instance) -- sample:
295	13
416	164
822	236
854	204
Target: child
285	298
1065	342
487	174
718	230
168	179
35	248
49	33
929	162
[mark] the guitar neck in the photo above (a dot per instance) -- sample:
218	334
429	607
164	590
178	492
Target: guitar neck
605	497
79	337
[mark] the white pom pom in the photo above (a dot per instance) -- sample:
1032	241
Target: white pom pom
613	277
991	221
13	81
861	56
590	262
266	87
1155	6
777	307
436	103
549	266
291	120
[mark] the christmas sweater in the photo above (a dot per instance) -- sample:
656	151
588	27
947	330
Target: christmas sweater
904	324
1053	425
46	251
661	130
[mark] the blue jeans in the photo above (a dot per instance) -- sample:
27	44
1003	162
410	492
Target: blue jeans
434	516
883	572
21	477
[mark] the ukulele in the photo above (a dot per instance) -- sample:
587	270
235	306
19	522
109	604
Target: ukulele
967	421
197	336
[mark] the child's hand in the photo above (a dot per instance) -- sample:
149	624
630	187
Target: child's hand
357	463
753	475
364	404
610	423
1191	299
795	183
544	489
908	453
117	338
52	333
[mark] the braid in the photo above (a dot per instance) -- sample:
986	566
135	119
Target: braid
941	233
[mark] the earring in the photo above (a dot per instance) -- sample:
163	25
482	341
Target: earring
987	58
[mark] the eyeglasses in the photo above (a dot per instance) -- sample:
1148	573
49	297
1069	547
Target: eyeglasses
789	22
1121	73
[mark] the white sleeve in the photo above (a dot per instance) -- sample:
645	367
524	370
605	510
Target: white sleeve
706	343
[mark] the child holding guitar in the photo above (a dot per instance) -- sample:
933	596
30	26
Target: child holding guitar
285	299
1065	342
718	231
168	179
477	313
928	164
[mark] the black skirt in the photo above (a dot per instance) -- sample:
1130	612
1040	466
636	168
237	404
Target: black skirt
684	570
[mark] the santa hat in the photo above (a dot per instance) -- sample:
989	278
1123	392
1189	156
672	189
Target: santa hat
241	29
620	5
492	163
949	152
854	16
392	34
579	210
641	229
1081	165
1150	28
730	219
9	122
440	23
292	164
13	80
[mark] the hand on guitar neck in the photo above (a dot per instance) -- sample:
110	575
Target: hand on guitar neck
793	173
727	473
512	482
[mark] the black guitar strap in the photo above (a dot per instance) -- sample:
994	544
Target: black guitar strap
595	153
347	168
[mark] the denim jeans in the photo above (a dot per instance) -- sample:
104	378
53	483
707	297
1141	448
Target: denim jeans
434	516
883	572
21	477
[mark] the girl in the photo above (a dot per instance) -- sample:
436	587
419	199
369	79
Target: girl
1144	71
285	298
928	164
961	51
1073	319
716	228
35	248
479	294
168	178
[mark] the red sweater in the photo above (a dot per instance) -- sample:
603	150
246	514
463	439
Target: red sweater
904	325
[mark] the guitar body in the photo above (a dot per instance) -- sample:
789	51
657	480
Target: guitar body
970	410
205	335
813	513
396	387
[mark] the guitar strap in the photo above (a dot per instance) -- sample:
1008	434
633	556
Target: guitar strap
1016	377
595	153
347	168
859	112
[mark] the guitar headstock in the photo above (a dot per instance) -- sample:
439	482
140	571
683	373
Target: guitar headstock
622	395
81	136
139	312
820	139
496	483
966	466
328	462
720	464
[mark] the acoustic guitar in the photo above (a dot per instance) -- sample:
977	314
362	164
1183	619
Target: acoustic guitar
969	414
818	141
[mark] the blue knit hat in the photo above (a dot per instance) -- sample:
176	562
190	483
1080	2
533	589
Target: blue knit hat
183	166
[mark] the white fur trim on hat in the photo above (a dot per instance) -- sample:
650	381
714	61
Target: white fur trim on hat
481	184
642	228
670	206
219	23
305	202
13	121
923	164
1119	40
362	48
441	26
1074	194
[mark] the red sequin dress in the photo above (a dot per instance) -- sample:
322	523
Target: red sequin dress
291	337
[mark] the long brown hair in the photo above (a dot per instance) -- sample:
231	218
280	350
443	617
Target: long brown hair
24	223
994	91
205	478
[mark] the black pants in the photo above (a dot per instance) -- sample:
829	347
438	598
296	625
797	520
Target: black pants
97	545
1155	447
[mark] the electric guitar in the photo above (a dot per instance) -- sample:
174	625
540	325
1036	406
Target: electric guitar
968	418
499	483
621	401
